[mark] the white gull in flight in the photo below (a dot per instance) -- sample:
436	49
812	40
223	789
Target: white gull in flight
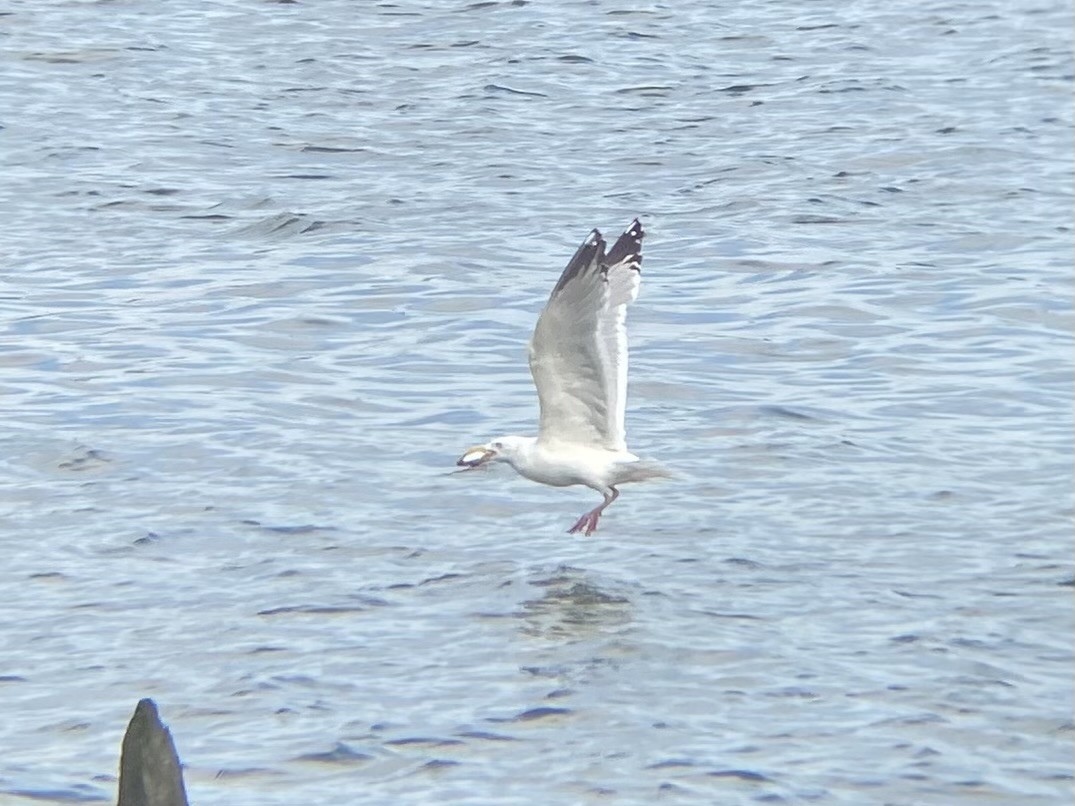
578	359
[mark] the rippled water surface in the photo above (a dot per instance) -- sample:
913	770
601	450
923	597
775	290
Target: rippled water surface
268	268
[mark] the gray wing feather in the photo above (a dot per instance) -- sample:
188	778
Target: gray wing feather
624	274
578	353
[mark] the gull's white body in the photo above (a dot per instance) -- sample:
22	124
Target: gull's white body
565	464
578	359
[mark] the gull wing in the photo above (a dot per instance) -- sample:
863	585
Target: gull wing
578	353
624	274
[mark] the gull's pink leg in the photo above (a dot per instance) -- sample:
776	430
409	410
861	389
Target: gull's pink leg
588	522
583	523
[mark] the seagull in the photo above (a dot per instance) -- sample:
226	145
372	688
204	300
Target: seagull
578	359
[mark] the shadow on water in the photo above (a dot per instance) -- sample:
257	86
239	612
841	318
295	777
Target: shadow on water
573	606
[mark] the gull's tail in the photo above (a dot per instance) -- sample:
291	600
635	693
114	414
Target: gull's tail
642	470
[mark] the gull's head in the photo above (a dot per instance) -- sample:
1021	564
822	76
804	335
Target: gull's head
501	449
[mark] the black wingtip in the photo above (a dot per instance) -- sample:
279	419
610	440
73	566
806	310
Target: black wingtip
628	247
590	253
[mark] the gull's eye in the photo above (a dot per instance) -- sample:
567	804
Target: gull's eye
498	445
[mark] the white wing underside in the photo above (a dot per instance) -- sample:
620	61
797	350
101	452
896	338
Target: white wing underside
578	353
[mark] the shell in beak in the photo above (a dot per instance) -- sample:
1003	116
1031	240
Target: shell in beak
476	456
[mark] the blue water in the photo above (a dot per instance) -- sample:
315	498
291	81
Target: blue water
269	268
